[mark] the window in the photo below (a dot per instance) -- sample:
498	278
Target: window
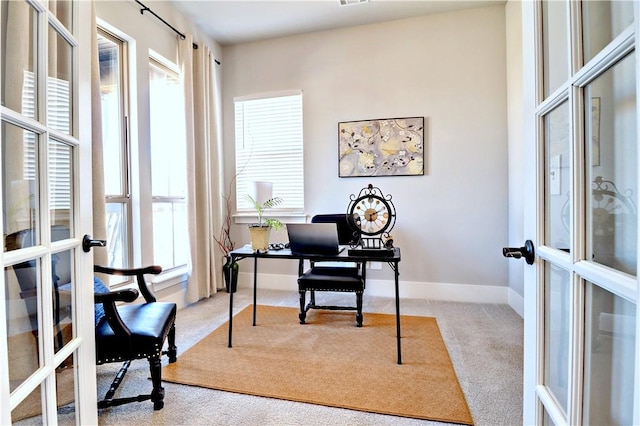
112	53
168	166
269	148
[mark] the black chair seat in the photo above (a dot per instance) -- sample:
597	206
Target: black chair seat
331	279
149	324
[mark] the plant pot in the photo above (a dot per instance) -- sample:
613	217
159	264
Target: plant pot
259	237
230	281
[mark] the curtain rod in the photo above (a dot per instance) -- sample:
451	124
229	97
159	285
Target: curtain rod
182	36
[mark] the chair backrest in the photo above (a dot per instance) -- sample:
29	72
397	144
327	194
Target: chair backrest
348	233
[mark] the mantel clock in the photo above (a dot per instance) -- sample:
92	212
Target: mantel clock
375	215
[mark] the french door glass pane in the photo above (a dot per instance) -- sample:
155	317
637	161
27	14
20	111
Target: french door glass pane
556	333
30	410
59	83
609	358
60	186
19	177
557	177
112	115
62	297
63	10
602	22
22	292
65	392
612	168
554	41
546	419
19	50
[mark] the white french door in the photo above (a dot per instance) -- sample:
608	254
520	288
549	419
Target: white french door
582	79
47	352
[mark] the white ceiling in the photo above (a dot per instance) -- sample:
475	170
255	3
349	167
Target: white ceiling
232	22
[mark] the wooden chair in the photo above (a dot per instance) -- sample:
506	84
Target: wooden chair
334	278
124	332
128	331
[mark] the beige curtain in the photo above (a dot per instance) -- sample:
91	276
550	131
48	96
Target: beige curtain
204	169
100	256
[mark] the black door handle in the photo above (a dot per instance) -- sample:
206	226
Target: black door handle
88	242
518	252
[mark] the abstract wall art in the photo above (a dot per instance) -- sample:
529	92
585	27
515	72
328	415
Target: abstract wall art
381	147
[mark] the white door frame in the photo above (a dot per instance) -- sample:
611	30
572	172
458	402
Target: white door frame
532	297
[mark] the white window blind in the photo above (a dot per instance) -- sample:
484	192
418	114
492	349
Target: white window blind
269	147
60	154
29	110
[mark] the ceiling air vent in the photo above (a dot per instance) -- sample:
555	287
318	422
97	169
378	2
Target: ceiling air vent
349	2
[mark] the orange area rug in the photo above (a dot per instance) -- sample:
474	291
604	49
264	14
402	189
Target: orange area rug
329	361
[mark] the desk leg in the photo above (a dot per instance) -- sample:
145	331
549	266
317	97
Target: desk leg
255	287
397	273
230	304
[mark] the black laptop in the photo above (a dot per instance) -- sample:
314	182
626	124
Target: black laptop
313	238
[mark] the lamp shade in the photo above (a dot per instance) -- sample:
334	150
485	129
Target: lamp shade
262	191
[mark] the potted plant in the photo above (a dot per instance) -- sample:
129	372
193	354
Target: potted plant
259	232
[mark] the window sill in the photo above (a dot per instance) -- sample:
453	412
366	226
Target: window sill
157	283
170	278
249	218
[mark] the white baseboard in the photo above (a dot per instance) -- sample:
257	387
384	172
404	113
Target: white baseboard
516	302
469	293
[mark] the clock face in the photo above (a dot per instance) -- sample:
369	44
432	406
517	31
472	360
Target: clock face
374	213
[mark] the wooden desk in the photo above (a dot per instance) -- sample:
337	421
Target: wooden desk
244	253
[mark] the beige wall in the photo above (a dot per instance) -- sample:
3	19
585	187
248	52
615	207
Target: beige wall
450	68
516	145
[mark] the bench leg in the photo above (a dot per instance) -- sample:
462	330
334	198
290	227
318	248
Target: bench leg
172	349
157	394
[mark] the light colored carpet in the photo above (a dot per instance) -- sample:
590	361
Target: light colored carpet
330	362
484	343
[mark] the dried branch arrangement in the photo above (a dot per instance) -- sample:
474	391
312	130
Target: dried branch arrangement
224	238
